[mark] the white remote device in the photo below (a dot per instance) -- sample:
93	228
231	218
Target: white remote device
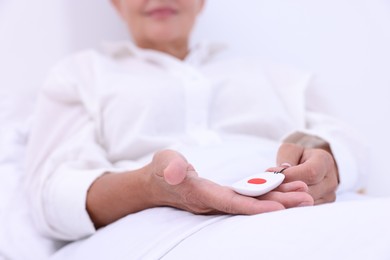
258	184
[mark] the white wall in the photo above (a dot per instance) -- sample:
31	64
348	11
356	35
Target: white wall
344	42
33	36
102	23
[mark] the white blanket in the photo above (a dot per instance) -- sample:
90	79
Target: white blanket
18	238
357	229
344	230
344	42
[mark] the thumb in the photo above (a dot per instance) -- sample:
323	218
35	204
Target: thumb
289	154
176	171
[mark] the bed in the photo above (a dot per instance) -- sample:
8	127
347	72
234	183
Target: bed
344	42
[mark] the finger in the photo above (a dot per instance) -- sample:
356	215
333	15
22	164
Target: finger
289	199
277	169
325	189
289	154
293	186
176	171
162	159
191	171
307	172
242	205
225	200
331	197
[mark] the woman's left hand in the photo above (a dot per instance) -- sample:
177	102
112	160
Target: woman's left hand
316	167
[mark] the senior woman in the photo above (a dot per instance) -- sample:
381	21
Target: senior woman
112	130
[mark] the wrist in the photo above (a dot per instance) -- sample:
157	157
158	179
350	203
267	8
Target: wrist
140	186
116	195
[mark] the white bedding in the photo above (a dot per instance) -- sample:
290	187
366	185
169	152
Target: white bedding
18	238
357	37
353	228
345	230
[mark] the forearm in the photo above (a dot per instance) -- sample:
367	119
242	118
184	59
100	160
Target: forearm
113	196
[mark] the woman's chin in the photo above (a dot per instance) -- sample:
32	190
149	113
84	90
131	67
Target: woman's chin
164	38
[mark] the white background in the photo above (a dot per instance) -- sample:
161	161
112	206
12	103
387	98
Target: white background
344	42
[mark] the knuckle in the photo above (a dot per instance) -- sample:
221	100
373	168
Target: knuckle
227	205
308	199
301	186
312	175
227	208
291	146
189	198
160	153
331	197
333	185
326	157
192	202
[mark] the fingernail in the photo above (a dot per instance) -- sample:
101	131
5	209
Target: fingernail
285	165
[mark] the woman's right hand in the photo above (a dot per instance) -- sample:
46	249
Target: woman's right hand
169	180
174	182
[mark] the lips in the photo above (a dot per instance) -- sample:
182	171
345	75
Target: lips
161	12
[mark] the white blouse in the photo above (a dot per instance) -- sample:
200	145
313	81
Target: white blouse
111	110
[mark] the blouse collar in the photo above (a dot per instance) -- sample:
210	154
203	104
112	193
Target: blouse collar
199	54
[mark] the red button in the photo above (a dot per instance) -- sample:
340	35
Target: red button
257	181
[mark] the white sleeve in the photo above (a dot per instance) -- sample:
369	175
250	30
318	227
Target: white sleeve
299	92
350	153
64	157
349	148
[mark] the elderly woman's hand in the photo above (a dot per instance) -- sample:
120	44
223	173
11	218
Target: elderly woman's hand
174	182
169	180
316	167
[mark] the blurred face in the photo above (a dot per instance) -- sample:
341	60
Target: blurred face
159	22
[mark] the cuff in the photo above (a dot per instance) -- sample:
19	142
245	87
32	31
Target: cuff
347	167
65	203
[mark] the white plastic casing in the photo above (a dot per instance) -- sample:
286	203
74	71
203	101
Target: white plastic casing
258	184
